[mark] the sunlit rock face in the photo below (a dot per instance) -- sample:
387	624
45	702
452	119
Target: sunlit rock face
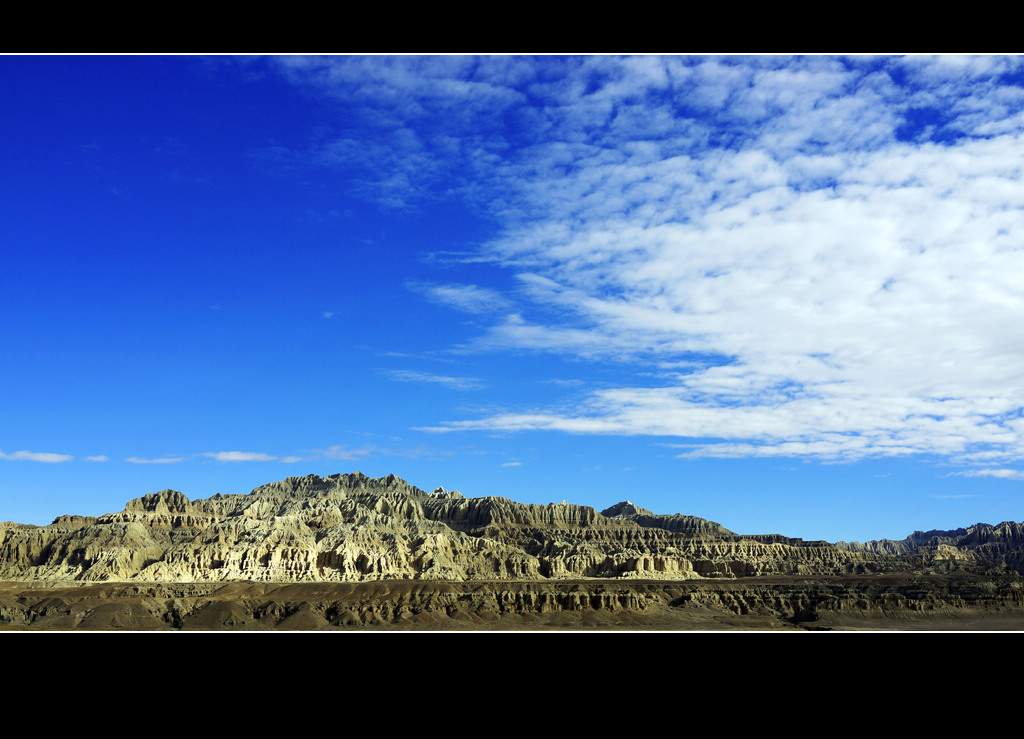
349	527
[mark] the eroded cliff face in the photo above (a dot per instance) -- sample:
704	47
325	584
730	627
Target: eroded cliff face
1002	544
958	601
349	527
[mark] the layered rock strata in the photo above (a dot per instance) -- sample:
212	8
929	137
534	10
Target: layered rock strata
1001	544
861	602
349	528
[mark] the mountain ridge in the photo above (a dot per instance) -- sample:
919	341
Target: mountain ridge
350	527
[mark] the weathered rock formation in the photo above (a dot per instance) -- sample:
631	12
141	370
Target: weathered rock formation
982	542
349	528
947	602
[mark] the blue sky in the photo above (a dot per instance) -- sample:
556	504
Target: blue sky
780	293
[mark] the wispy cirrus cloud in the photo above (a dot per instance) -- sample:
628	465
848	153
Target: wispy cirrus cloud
412	122
241	457
457	383
26	456
231	456
344	453
349	454
466	298
1003	474
333	452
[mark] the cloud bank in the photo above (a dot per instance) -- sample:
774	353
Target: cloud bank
816	257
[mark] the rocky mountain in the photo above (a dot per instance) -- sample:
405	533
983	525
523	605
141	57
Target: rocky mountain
1003	543
349	528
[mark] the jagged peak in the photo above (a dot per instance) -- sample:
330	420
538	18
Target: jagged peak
625	508
162	502
440	492
74	520
354	479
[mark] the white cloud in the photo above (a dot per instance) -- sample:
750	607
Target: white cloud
47	457
882	311
511	464
98	458
342	453
459	383
161	460
467	298
829	244
240	456
412	121
1002	474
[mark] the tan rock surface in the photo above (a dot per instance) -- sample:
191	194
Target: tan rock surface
351	528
